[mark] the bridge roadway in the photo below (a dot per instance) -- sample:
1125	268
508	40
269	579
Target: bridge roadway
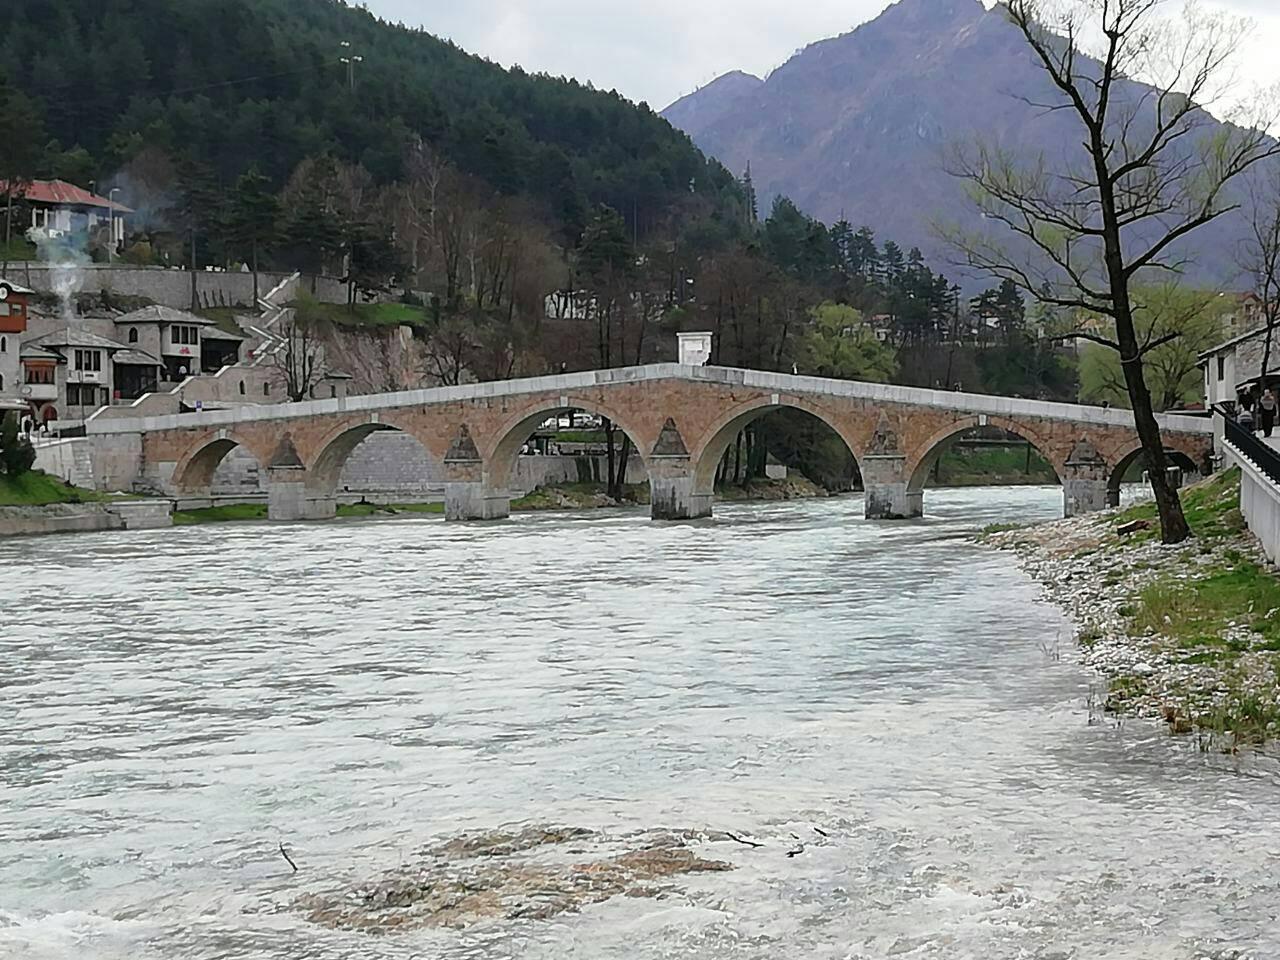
681	419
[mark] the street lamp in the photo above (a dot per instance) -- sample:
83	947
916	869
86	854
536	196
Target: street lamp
111	213
351	62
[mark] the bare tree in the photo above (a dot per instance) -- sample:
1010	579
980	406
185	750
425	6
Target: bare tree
300	359
1153	167
1260	258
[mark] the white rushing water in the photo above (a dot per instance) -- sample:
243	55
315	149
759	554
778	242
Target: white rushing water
173	705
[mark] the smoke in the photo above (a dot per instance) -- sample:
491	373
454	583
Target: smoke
66	259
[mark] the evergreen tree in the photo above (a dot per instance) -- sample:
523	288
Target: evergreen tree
252	220
21	136
16	453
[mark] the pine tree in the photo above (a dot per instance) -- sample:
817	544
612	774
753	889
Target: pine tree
253	220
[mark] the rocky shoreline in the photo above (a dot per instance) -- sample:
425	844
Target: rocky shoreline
1184	634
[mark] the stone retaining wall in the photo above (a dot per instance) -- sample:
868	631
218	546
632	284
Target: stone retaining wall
172	288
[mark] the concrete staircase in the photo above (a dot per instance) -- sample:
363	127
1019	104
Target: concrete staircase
274	317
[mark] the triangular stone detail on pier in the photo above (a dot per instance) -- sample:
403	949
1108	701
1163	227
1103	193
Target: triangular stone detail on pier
1084	453
463	448
286	455
669	442
884	441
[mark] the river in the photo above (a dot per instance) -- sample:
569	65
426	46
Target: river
890	697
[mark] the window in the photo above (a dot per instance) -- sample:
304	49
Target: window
83	394
184	336
133	334
43	374
89	360
242	388
4	309
1	381
1222	368
266	389
4	344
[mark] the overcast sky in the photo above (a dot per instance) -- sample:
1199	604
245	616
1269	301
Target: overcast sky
659	50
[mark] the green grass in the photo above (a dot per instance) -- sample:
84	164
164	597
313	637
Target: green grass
991	528
380	510
18	250
976	466
360	315
224	514
1196	613
38	489
1212	508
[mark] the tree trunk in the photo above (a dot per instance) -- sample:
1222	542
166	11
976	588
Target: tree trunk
1173	523
611	478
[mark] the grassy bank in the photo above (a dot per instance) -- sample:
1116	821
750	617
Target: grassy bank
991	466
258	511
38	489
1189	633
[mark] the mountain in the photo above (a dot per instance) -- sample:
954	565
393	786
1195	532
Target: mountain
859	126
266	83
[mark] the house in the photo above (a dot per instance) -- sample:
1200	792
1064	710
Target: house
14	311
59	209
1235	365
70	373
185	343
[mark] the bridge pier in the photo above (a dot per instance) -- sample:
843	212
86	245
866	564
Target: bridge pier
289	499
888	493
1084	482
467	494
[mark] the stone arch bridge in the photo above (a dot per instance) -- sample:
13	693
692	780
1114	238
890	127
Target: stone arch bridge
680	419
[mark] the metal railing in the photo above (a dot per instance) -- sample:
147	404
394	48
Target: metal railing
1260	454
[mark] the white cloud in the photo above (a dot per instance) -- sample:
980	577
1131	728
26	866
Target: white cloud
658	50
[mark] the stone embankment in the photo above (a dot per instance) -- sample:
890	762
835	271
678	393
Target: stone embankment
1187	634
85	517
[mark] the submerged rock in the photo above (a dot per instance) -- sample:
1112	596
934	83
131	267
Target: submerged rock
525	874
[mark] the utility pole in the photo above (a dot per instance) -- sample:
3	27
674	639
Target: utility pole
351	62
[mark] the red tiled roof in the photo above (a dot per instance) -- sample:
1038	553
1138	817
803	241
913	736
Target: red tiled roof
64	194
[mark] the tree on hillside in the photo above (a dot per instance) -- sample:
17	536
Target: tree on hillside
1083	230
253	220
195	213
1184	323
374	262
840	344
300	359
21	140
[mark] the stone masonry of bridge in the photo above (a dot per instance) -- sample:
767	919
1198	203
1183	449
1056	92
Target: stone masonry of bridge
681	419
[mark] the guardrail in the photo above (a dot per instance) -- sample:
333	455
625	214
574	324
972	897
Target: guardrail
1261	455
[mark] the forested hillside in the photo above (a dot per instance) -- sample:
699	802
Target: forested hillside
240	83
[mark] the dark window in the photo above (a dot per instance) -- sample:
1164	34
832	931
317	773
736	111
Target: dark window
133	334
266	389
1222	368
241	388
4	344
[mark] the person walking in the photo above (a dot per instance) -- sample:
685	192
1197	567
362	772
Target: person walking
1267	411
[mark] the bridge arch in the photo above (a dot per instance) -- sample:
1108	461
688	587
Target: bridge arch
503	447
715	440
194	469
1133	455
335	449
924	458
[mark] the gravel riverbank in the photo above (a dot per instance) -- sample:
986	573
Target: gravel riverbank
1187	634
